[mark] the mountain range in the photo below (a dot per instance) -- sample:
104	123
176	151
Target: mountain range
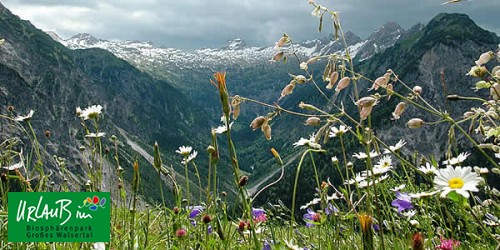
151	93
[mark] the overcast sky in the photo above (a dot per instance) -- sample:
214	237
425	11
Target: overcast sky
210	23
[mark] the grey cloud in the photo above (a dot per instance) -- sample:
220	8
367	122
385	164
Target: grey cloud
201	23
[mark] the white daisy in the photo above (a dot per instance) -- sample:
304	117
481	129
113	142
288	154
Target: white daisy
91	112
308	142
365	183
481	170
357	179
409	213
334	131
396	147
184	150
458	179
190	157
383	165
427	169
25	118
94	135
456	160
313	202
222	128
363	156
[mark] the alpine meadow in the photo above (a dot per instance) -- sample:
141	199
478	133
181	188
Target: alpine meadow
388	142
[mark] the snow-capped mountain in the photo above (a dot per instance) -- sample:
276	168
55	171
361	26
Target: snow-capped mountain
148	57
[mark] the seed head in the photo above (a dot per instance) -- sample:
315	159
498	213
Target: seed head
266	129
10	108
206	218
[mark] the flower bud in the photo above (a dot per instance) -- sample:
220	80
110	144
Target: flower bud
300	79
389	90
47	133
400	108
350	165
287	90
335	160
417	241
303	105
417	90
381	81
235	103
243	181
495	91
367	101
176	210
266	129
343	83
477	71
277	56
415	123
206	218
313	121
485	58
283	40
10	108
333	79
303	65
258	122
277	156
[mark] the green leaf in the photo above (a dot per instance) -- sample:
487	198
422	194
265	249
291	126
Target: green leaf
454	196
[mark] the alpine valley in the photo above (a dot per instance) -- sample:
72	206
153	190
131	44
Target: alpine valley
151	93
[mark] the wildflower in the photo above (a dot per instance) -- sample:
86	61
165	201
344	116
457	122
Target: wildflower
313	121
191	157
266	130
427	169
335	160
363	156
258	122
311	218
91	112
343	83
333	79
408	214
241	226
223	128
417	241
389	90
266	246
477	71
310	203
357	179
366	104
458	179
383	165
457	160
259	215
398	188
417	90
277	56
481	170
449	244
485	58
283	40
26	117
195	211
184	150
415	123
311	142
15	166
235	103
366	222
402	201
381	81
206	218
94	135
330	209
288	89
99	246
243	181
365	183
303	65
396	147
181	233
400	108
491	220
334	131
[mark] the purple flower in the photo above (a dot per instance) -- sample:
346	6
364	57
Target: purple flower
259	215
209	229
330	209
195	211
376	227
311	217
402	201
266	246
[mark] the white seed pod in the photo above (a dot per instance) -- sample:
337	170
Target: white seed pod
400	108
343	83
415	123
333	79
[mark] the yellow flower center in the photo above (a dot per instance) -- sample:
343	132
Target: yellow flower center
456	183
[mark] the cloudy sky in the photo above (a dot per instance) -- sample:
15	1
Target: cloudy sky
210	23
